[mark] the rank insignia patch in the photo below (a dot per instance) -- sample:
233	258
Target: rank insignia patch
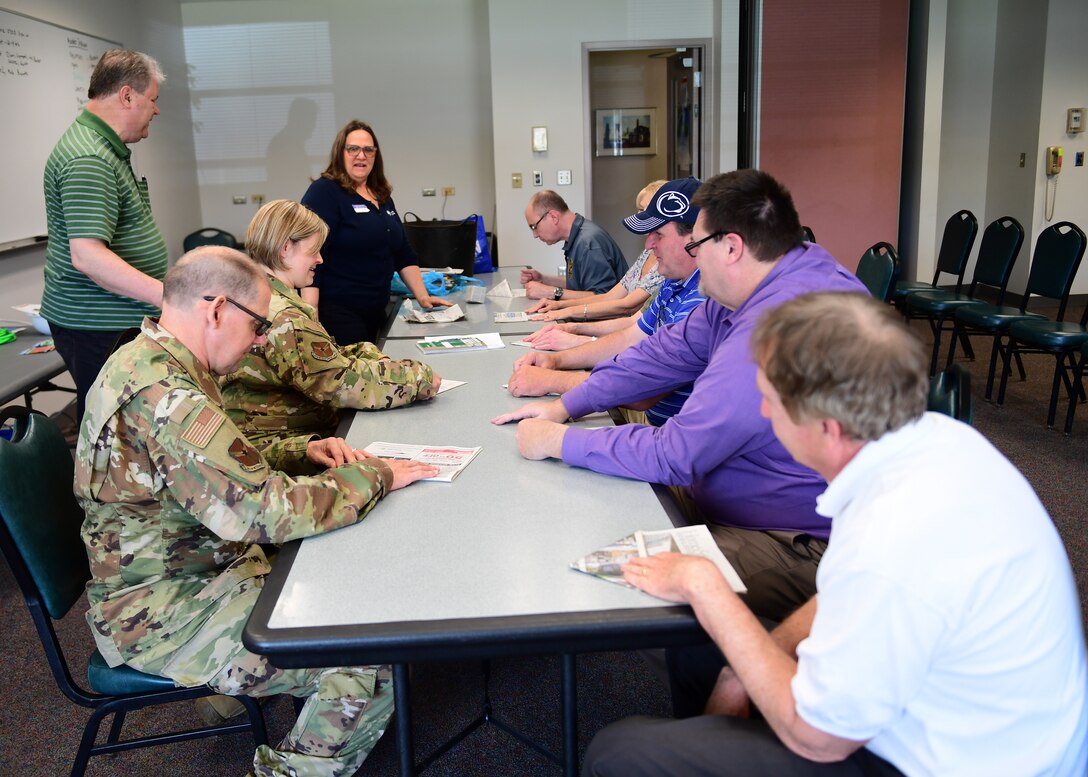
245	454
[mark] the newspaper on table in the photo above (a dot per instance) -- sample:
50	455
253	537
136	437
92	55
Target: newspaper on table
451	345
437	316
475	294
511	317
491	340
449	460
503	290
692	540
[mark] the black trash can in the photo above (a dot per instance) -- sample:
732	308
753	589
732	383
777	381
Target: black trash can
443	242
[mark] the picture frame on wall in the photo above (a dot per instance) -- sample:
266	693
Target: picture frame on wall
626	131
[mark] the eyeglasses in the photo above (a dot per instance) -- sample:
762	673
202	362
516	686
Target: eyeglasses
364	150
263	324
694	244
532	227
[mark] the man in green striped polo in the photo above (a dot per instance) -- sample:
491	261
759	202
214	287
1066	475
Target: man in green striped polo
106	258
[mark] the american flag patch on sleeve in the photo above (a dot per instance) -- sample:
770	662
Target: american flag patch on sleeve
202	428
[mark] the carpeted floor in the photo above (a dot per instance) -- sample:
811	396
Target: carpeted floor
39	728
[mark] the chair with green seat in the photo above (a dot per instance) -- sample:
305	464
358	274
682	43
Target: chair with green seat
1060	339
877	270
959	235
950	393
1001	243
209	236
1058	251
40	523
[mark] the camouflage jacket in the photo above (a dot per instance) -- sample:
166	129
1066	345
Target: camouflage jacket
298	381
176	497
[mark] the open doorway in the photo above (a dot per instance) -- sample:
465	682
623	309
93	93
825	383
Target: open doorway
645	121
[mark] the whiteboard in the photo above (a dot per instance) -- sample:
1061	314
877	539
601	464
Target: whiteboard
44	71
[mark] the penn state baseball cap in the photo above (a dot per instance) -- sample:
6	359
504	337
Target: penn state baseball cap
671	203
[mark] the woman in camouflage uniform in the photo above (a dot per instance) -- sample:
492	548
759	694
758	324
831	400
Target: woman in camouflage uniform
297	382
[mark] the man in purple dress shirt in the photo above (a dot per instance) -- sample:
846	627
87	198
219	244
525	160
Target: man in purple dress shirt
760	503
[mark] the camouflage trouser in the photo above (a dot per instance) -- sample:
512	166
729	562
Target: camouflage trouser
346	711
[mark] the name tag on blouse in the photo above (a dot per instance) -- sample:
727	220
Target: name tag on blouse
360	208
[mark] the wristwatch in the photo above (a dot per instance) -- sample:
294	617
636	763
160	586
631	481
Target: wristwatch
558	293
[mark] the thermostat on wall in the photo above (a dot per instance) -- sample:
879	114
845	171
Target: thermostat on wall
1074	121
540	138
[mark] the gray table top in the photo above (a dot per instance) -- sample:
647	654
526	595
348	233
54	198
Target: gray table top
19	373
484	559
479	317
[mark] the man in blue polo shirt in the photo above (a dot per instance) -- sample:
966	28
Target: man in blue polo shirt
667	222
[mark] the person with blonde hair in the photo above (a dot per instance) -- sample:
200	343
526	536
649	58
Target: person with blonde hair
298	380
628	297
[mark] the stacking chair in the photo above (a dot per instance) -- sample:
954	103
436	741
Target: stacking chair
1058	252
40	537
209	236
950	393
1078	393
959	236
1001	242
1061	340
877	270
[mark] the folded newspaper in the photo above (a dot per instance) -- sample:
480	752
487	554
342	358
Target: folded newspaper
692	540
503	290
510	317
436	316
449	460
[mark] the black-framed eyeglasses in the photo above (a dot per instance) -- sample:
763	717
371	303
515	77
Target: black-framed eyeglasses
694	244
532	227
364	150
263	324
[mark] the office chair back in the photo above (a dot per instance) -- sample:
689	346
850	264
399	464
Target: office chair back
807	233
1058	252
209	236
443	242
959	235
1001	243
877	270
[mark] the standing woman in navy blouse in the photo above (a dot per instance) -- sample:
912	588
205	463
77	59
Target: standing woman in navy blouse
366	242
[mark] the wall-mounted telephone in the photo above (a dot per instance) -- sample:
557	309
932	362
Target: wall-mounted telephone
1053	160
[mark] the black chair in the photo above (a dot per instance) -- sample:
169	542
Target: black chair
950	393
807	232
1061	340
442	242
959	236
40	537
1079	393
1001	242
1058	252
877	269
209	236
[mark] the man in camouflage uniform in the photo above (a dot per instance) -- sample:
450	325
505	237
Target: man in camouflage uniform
177	500
299	379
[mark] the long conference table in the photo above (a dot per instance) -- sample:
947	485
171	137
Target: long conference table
23	375
473	569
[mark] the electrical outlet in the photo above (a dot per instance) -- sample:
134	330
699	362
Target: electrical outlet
257	199
538	178
239	199
563	178
515	180
429	191
448	191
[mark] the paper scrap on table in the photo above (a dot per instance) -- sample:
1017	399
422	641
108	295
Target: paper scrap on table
522	343
492	340
448	384
475	294
511	317
443	270
439	316
503	290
